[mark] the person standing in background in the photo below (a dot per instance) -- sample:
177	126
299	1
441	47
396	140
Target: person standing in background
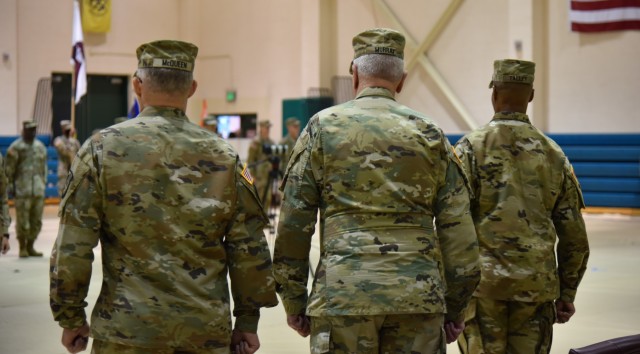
379	174
67	147
526	199
259	162
293	131
175	214
26	169
5	218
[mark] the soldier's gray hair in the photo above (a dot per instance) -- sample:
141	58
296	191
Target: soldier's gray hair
166	80
385	67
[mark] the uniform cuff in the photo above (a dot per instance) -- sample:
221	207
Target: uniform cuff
294	307
247	323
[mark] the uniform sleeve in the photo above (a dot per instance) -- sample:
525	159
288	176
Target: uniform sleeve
464	152
78	235
296	226
249	260
10	165
573	245
45	167
457	237
5	218
253	152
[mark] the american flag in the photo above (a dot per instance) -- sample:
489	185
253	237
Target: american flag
604	15
246	174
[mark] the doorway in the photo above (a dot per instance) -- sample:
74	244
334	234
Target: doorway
106	99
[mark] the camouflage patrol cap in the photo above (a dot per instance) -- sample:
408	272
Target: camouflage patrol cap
265	123
29	124
167	54
65	124
378	41
210	121
511	70
292	121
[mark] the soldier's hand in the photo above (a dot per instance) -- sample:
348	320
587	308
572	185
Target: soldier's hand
453	330
564	311
75	340
300	323
244	342
5	245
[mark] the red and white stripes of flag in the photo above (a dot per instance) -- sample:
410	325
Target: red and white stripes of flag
604	15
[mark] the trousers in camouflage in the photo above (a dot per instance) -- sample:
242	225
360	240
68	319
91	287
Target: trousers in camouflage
104	347
500	327
379	334
29	217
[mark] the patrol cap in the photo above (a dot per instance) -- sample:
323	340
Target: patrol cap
120	120
292	121
511	70
29	124
378	41
210	121
167	54
65	124
265	123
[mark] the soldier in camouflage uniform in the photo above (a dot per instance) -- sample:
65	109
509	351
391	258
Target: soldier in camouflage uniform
5	218
378	173
26	169
259	162
175	213
526	198
293	131
67	147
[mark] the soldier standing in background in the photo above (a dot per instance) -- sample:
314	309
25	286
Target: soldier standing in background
379	173
211	124
26	169
293	131
67	146
175	213
5	218
526	198
259	162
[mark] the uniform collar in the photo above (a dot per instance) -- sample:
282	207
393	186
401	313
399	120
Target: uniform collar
167	112
375	91
521	117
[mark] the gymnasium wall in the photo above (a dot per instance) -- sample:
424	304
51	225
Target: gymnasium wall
269	51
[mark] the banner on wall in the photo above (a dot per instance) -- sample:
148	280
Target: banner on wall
604	15
96	16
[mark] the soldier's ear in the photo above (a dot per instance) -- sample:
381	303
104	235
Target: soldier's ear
194	86
401	83
533	91
355	79
137	86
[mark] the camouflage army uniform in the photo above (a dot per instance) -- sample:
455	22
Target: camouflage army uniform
173	214
525	194
26	169
67	149
379	173
260	167
5	217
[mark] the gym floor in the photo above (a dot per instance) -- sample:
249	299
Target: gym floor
608	302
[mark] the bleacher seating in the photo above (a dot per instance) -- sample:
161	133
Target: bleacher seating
607	166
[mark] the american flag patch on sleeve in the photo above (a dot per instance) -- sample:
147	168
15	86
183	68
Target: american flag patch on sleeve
246	174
